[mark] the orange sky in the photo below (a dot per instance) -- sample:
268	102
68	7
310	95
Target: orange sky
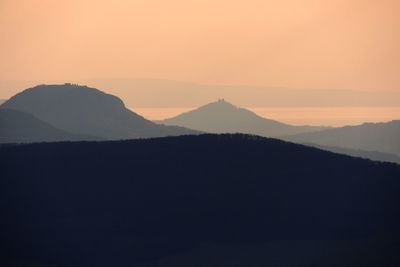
330	44
299	61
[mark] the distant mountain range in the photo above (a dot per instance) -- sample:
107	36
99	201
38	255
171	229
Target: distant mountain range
70	112
223	117
382	137
207	200
87	111
21	127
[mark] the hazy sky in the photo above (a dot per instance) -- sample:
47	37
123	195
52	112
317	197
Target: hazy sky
330	44
324	50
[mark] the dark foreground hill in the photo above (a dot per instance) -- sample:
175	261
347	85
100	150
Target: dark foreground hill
223	117
21	127
87	111
209	200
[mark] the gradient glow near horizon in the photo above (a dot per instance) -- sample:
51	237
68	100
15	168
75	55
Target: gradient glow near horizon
295	44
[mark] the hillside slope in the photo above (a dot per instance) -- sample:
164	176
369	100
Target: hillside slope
21	127
365	154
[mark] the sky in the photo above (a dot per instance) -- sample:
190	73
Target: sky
287	44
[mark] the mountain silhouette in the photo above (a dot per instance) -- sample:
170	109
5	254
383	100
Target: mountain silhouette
381	137
206	200
21	127
223	117
87	111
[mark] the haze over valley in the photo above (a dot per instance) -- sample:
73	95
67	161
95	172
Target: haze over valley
158	99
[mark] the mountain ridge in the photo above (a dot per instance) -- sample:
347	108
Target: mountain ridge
223	117
381	137
89	111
